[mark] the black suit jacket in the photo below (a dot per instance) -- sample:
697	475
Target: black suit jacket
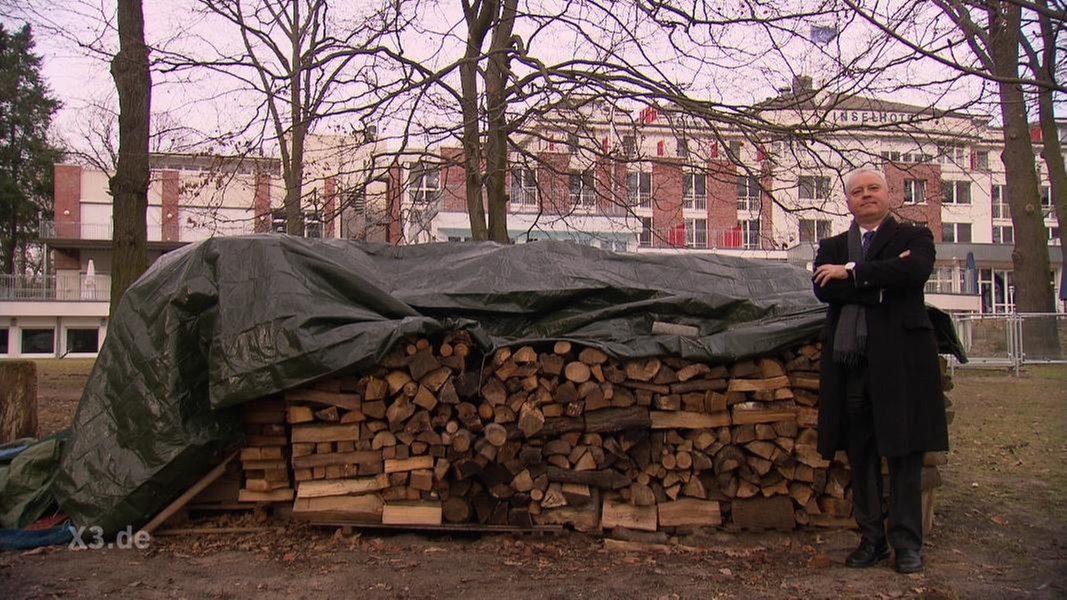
905	377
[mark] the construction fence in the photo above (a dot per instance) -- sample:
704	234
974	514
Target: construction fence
1012	340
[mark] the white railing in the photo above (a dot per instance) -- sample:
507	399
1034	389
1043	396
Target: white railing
1014	339
60	288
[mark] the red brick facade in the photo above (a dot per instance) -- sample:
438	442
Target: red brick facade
928	212
722	198
169	222
330	191
667	219
261	203
68	193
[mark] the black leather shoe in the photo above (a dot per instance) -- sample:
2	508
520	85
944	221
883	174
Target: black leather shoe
909	561
868	554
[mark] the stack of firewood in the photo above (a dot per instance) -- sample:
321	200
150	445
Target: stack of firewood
564	434
263	458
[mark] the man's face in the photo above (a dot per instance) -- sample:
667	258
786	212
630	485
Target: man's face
868	200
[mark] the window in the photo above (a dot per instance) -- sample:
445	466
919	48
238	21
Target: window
523	188
682	147
956	233
83	340
749	234
639	185
748	193
734	151
813	188
424	183
644	239
981	160
312	224
572	143
1054	235
1000	205
278	222
38	341
813	230
613	245
583	189
696	233
1003	234
951	155
997	290
1046	202
629	145
3	341
956	192
914	191
945	280
459	238
695	191
891	156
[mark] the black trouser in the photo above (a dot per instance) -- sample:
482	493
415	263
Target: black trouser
905	476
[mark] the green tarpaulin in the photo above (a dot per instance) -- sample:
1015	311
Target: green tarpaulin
231	319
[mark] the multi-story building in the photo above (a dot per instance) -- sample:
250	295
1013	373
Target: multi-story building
64	311
656	181
662	181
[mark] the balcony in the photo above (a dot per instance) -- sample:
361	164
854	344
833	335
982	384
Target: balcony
74	234
55	288
698	239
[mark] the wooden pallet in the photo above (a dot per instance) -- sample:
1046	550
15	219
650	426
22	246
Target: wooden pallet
347	528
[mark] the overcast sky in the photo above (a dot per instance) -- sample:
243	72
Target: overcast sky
79	77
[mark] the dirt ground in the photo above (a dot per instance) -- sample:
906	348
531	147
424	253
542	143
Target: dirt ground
1000	532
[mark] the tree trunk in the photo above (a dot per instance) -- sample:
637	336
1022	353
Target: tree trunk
18	400
1052	150
496	149
478	18
129	185
294	219
1033	290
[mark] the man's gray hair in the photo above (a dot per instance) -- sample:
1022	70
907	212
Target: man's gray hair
847	179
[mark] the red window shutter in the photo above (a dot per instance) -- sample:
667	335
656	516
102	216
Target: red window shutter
761	152
660	147
715	150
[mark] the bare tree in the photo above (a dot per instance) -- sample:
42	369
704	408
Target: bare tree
129	184
1042	62
297	58
984	40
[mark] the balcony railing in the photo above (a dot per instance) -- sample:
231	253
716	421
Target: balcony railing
700	238
62	288
74	230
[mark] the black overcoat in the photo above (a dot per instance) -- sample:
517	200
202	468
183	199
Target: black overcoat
905	378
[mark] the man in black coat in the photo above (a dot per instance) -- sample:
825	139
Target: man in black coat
880	391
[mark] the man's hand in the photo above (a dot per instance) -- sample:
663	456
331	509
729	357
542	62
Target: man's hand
825	273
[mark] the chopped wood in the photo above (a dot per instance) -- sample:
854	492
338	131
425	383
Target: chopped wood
689	512
408	464
345	401
341	487
757	385
620	514
687	420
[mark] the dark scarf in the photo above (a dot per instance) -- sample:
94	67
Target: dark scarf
850	337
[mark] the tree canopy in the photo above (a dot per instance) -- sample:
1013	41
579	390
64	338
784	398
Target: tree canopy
26	153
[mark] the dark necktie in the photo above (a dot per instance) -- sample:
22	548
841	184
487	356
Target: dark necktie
867	237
